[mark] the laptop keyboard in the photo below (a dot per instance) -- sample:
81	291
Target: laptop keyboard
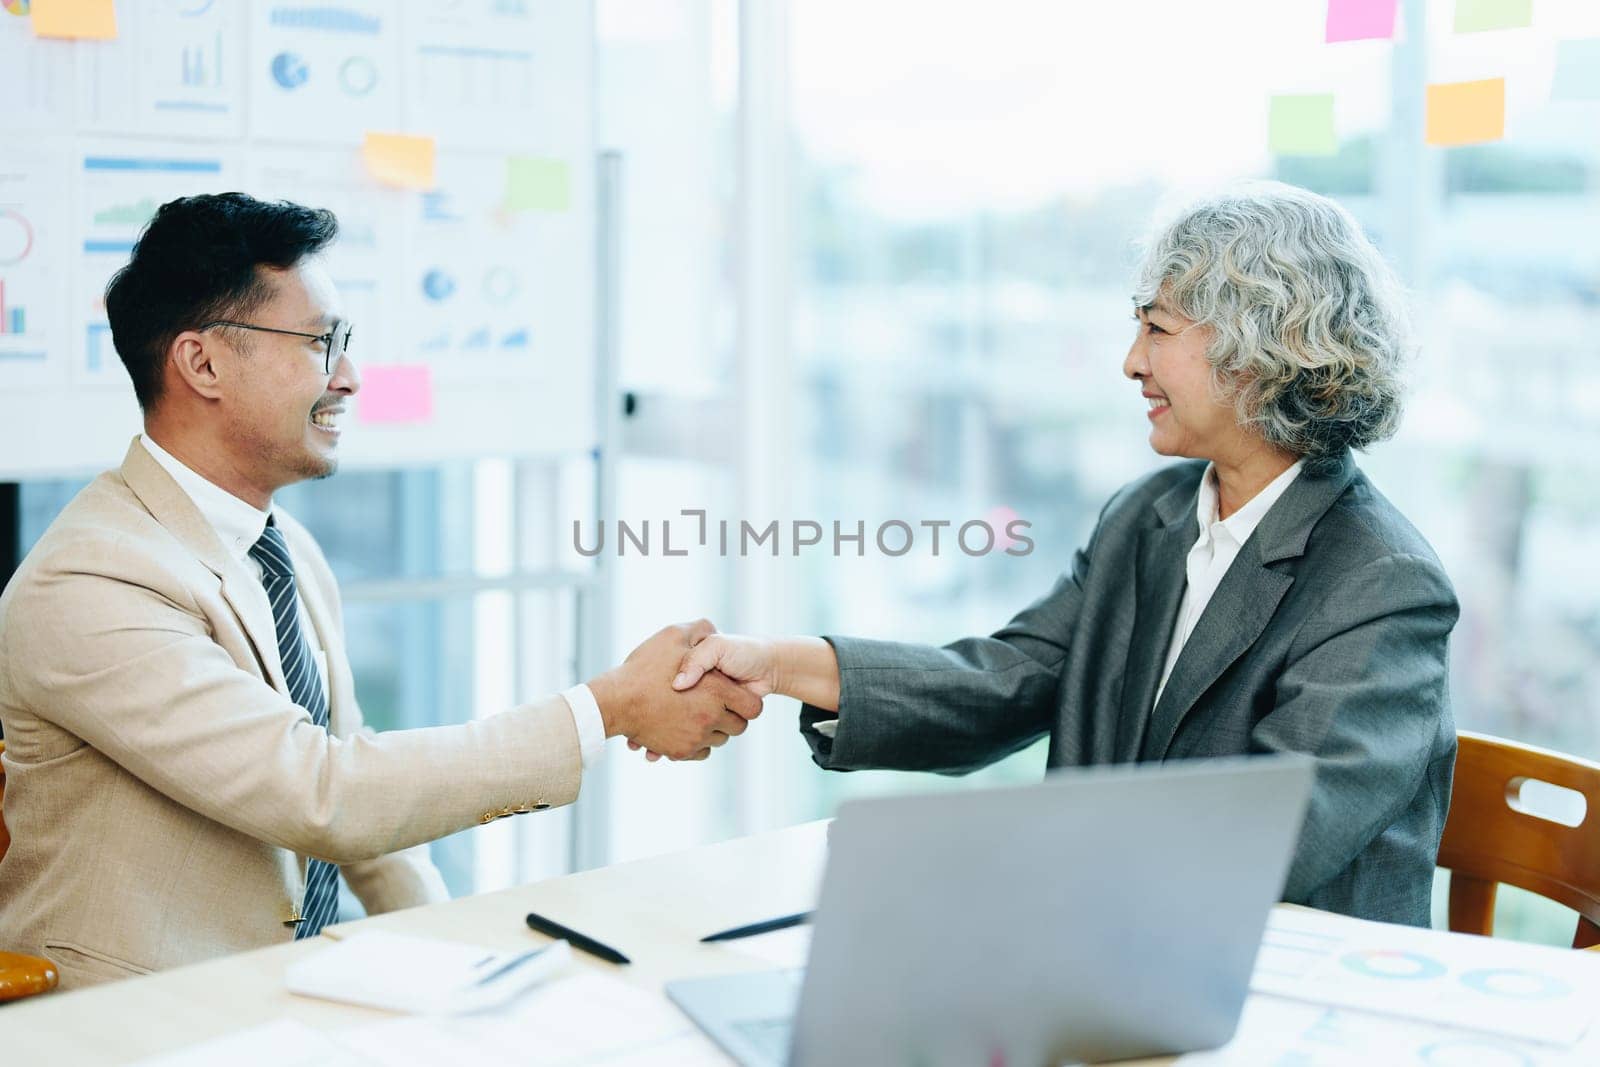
769	1036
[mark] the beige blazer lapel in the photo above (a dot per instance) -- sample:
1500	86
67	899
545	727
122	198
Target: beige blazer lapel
171	506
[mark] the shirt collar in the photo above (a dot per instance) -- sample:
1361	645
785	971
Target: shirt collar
1242	523
237	523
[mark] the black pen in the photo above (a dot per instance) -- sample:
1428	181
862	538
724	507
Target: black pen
753	929
588	944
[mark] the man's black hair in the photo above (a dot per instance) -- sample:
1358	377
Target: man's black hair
196	261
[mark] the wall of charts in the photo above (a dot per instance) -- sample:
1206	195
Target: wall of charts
468	269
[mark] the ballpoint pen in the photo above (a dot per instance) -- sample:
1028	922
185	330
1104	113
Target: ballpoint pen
512	964
577	940
767	926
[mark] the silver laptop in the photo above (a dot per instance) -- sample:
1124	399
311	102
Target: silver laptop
1100	915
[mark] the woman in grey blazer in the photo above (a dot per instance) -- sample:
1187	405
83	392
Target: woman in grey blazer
1262	596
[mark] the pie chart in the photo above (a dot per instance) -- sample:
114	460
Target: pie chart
16	238
16	7
1516	984
437	285
288	70
357	75
1388	963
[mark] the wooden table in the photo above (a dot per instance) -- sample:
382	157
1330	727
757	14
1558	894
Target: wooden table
654	911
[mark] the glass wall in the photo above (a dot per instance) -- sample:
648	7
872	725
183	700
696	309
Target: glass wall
970	184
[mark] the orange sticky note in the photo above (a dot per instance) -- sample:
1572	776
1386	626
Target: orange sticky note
85	20
400	160
1466	112
395	393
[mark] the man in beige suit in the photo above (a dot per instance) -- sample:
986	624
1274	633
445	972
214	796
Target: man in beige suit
187	769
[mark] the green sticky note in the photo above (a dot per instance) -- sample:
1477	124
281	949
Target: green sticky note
1302	125
535	184
1475	16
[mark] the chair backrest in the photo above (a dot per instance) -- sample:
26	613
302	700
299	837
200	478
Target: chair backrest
5	835
1490	838
20	976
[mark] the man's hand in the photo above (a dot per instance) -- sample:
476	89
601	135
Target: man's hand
637	699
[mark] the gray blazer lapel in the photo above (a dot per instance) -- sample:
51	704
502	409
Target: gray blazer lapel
1245	601
1158	592
1239	610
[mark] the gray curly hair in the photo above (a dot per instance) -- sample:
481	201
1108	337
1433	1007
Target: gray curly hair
1309	329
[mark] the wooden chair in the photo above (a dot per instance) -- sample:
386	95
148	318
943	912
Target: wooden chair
20	976
1489	838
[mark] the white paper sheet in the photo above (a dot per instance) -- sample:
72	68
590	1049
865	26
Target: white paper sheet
174	69
586	1018
781	948
1483	984
399	972
284	1043
35	260
324	73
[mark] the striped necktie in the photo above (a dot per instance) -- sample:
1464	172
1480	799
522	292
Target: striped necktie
321	905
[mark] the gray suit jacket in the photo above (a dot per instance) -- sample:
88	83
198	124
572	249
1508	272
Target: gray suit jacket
1327	636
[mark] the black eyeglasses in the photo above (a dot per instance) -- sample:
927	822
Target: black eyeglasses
335	343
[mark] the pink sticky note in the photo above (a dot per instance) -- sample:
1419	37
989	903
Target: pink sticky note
1361	20
395	393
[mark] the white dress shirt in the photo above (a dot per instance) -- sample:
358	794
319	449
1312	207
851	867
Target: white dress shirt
1212	555
240	525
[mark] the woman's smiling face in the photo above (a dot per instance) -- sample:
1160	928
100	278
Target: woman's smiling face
1168	360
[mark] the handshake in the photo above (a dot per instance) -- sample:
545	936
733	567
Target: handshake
687	690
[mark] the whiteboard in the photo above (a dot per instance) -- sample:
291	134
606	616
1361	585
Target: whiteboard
275	97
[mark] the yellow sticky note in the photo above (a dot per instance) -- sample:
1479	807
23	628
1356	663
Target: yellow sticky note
1466	112
400	160
87	20
534	184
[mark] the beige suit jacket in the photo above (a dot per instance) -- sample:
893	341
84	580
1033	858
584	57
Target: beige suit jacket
163	792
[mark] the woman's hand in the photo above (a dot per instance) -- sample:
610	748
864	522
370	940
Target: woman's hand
750	661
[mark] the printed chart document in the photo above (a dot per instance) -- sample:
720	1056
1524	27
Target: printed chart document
1285	1032
1492	986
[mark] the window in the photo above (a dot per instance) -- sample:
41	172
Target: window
968	188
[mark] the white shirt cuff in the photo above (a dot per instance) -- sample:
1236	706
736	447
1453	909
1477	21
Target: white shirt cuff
826	727
586	717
